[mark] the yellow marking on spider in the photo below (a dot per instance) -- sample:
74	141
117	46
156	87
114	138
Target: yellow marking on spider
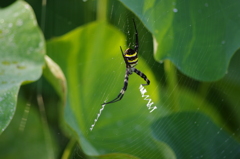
131	55
135	60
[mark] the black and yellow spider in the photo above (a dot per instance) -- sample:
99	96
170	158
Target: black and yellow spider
131	59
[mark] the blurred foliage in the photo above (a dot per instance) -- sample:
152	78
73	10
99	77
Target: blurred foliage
182	45
27	135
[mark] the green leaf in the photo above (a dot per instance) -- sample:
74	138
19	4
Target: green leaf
22	51
27	136
91	60
199	37
194	135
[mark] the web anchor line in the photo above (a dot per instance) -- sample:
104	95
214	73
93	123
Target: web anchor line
98	115
146	97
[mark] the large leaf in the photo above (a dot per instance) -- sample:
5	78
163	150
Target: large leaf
21	55
91	59
194	135
199	37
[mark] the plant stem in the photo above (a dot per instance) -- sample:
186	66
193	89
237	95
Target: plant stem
102	10
68	150
171	79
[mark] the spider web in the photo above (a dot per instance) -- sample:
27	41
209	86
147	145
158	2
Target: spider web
167	126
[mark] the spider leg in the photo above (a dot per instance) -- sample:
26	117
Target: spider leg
136	34
139	73
120	95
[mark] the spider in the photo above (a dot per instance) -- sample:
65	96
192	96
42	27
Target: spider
131	60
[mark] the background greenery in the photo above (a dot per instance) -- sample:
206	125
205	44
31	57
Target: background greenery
60	60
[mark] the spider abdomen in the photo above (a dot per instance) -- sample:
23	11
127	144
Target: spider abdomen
131	57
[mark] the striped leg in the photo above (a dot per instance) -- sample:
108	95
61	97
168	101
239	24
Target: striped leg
120	95
139	73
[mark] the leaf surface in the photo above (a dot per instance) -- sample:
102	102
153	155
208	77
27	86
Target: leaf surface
91	59
21	55
199	37
194	135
